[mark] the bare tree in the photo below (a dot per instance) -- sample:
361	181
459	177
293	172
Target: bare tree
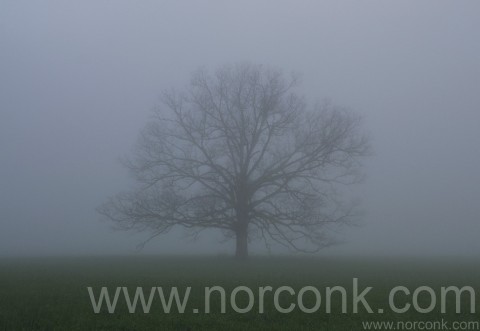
239	151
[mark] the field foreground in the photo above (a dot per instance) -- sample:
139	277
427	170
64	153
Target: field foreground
52	294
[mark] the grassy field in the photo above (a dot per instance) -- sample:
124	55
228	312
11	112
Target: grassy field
51	293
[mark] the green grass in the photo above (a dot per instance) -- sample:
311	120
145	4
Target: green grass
51	293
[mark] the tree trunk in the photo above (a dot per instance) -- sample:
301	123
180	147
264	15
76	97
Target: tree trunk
241	226
241	252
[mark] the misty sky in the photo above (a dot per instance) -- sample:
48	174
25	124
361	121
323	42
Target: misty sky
78	80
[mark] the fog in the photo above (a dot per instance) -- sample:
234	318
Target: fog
78	81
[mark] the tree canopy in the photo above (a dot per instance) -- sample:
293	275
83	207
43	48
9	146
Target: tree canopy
240	150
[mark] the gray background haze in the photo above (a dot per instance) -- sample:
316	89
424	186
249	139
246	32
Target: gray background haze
78	80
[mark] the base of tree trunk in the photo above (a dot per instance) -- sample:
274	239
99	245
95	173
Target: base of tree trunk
241	252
